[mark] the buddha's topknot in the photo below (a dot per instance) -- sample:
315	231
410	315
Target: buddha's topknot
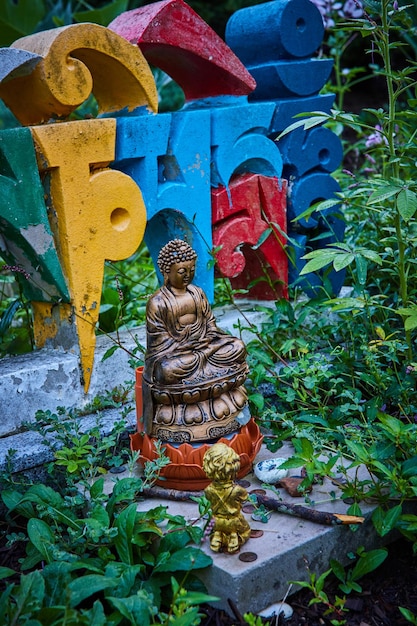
175	251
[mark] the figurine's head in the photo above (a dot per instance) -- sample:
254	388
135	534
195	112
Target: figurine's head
221	463
176	261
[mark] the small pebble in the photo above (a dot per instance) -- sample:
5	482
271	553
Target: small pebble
118	470
269	471
275	609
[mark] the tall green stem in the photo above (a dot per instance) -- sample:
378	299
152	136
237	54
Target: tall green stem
393	162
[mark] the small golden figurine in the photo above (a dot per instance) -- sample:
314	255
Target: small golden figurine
194	372
231	530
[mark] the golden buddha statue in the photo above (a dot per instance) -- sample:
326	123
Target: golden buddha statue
194	372
221	465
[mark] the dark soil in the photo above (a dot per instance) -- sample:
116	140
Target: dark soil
392	585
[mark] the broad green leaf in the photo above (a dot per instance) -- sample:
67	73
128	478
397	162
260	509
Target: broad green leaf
359	451
55	503
410	310
354	509
342	260
390	423
199	597
96	488
96	615
41	537
318	263
369	562
7	317
383	193
314	254
5	572
14	501
126	580
104	15
264	357
314	120
5	603
317	207
258	400
262	238
18	19
32	559
136	609
30	594
306	448
385	521
100	514
346	304
371	255
125	524
410	520
409	615
407	204
361	269
292	463
338	569
58	575
411	322
172	542
340	245
313	419
409	467
186	559
85	586
72	466
384	469
109	352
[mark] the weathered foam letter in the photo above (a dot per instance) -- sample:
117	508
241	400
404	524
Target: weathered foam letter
77	60
99	212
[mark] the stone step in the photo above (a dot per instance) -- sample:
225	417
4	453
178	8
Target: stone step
260	574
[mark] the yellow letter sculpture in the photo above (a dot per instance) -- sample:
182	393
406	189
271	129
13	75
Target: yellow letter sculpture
95	213
77	60
100	213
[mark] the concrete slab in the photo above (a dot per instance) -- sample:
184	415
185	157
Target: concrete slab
287	546
48	379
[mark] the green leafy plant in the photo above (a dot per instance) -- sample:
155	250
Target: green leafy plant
316	585
366	563
340	373
408	615
16	334
83	452
102	560
254	620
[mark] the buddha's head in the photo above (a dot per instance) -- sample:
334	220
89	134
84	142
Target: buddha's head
176	261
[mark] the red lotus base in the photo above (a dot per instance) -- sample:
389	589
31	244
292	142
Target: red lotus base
185	472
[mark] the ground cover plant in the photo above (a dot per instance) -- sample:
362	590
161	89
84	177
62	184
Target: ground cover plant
336	375
89	556
342	371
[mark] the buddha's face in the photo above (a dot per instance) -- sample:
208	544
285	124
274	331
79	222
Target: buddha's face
181	274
